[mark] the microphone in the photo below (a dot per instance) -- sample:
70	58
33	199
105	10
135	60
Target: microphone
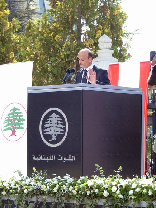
64	78
72	71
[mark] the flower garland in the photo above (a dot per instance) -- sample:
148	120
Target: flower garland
112	191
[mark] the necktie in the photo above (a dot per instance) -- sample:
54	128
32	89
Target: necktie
84	80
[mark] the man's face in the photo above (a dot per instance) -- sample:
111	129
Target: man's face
84	61
154	60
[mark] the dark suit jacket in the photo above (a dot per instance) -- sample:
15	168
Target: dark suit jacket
101	76
152	79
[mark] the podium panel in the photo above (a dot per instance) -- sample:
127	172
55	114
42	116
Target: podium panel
112	132
73	127
45	152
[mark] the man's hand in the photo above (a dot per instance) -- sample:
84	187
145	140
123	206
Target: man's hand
92	76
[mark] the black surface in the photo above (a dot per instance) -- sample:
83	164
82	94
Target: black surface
104	128
112	132
70	104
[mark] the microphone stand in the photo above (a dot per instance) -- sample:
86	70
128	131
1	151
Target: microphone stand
70	75
64	78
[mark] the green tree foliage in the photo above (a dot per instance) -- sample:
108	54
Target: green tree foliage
92	18
7	33
54	41
110	21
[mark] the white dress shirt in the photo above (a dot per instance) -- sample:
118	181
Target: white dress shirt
90	67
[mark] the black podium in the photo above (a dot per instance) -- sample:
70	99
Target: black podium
73	127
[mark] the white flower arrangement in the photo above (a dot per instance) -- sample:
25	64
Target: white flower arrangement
113	190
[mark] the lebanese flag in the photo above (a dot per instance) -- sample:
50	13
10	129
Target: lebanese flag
135	75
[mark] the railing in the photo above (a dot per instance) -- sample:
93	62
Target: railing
42	202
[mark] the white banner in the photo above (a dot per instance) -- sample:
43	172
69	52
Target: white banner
14	80
129	74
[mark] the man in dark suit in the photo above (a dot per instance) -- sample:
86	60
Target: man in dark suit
152	78
89	73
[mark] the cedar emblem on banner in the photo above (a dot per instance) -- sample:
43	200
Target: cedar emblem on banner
14	122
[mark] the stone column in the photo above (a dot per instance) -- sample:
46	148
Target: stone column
105	53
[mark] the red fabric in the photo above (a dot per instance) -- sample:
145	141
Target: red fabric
113	74
144	74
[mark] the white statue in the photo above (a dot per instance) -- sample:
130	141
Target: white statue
105	53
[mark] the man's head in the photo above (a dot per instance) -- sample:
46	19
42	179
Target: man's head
85	58
152	54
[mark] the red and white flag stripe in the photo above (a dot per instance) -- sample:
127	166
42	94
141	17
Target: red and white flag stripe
135	75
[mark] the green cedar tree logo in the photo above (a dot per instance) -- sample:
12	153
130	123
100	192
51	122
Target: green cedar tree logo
14	121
